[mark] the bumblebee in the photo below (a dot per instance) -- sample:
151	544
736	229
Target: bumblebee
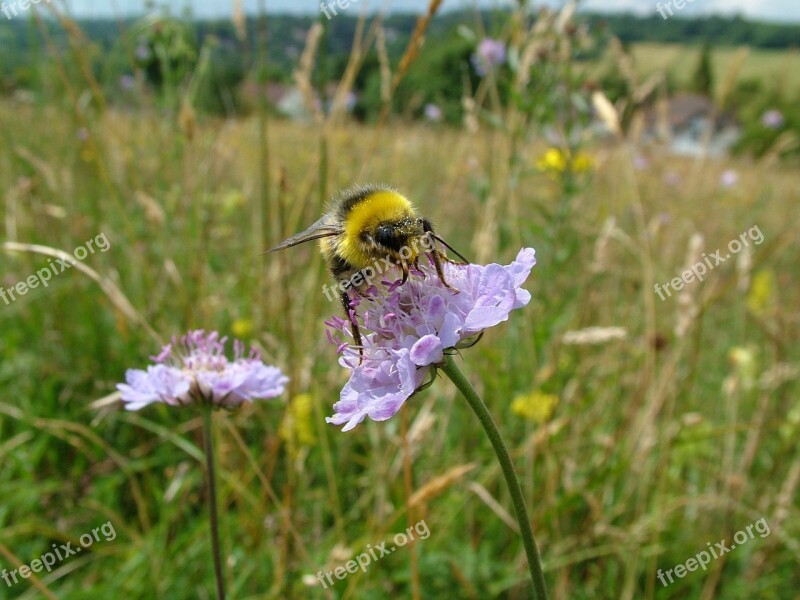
365	230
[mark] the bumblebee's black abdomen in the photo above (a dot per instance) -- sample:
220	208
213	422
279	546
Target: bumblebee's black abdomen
340	268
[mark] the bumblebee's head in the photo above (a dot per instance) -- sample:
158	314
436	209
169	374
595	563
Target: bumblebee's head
392	236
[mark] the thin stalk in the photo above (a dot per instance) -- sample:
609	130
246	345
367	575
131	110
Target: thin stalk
408	483
211	480
490	427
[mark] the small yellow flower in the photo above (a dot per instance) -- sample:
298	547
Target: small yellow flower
553	160
582	163
556	160
297	426
761	299
536	406
242	328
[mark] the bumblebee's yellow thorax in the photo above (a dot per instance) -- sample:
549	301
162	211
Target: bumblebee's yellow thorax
378	207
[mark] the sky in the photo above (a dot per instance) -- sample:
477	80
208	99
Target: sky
768	10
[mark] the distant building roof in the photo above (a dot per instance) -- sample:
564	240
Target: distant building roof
684	108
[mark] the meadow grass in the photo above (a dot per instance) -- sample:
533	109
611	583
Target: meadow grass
682	433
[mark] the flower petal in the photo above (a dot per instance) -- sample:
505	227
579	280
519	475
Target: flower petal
159	383
427	351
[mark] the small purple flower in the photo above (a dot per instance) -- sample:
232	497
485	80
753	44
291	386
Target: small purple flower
672	179
127	82
407	329
773	119
142	52
640	163
195	369
350	101
433	113
729	178
489	54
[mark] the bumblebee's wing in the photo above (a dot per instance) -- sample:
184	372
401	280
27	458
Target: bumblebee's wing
325	227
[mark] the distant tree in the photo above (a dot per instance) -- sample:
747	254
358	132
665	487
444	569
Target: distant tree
438	77
703	78
218	90
166	50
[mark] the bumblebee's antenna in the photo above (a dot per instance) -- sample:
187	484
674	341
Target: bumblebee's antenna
449	247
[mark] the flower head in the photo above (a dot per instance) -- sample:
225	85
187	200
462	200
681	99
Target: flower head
433	113
195	369
556	161
772	119
127	82
536	406
762	297
489	54
297	427
407	329
672	179
729	178
143	51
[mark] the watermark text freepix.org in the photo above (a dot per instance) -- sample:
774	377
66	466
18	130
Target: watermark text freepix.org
375	553
700	268
9	9
330	7
679	5
423	243
60	265
59	553
703	558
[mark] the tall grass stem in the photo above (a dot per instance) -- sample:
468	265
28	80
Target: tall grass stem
211	480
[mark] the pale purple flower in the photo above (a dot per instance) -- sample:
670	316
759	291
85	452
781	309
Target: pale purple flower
350	101
433	113
407	329
672	179
195	369
142	52
489	54
640	163
127	82
729	178
773	119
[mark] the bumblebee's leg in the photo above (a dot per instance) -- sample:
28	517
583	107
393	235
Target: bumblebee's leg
404	266
437	256
348	309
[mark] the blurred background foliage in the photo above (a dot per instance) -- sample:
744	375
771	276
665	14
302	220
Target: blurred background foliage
162	46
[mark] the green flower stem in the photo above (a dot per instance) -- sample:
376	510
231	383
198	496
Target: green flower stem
211	479
484	416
